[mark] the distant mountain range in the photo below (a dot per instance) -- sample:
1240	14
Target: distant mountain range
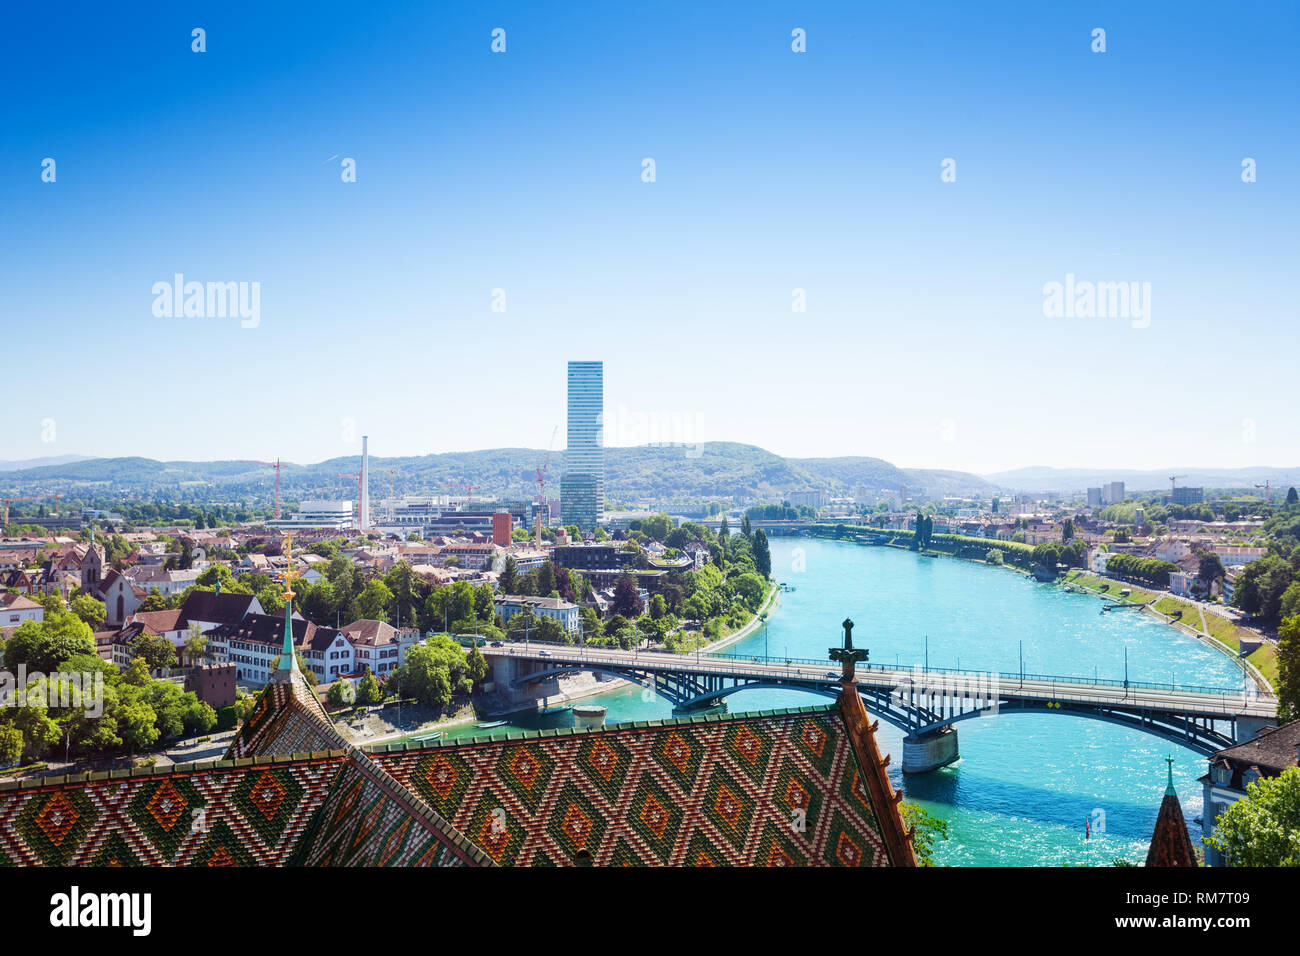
648	473
1066	480
645	473
41	462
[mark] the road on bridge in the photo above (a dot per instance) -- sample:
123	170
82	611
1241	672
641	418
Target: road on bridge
1136	696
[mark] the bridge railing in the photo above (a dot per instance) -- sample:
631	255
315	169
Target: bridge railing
708	664
1008	675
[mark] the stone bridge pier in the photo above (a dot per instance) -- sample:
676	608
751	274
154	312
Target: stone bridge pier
930	751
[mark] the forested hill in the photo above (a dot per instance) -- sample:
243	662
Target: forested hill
704	471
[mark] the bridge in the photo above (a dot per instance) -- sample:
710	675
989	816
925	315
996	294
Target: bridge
925	704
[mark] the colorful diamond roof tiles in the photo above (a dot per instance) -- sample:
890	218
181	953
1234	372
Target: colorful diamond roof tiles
779	788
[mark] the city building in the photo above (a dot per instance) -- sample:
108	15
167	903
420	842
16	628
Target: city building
508	605
1115	492
15	609
503	527
316	514
214	684
1187	496
1094	497
582	486
378	646
1231	770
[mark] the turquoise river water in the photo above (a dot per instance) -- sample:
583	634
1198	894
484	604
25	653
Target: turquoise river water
1025	783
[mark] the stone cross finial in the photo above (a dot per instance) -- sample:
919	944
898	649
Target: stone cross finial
848	655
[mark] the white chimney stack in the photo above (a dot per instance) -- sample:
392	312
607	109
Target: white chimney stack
365	483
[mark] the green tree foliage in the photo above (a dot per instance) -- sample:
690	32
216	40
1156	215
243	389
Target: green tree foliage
762	555
508	580
1262	828
1288	669
368	691
927	829
436	671
1262	583
43	645
157	651
340	694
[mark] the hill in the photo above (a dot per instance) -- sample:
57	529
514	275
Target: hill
644	473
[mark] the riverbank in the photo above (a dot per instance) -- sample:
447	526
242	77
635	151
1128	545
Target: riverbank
768	607
1216	631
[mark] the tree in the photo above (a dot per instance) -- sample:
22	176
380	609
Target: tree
1262	828
373	602
89	609
658	607
627	601
368	689
1211	568
196	644
1288	670
154	601
927	828
762	555
157	651
340	694
11	746
750	587
44	645
1291	496
509	576
745	526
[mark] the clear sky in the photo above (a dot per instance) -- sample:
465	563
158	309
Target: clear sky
924	339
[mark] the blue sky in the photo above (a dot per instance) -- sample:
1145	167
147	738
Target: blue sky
924	340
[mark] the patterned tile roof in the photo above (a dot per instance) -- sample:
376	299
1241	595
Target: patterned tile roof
775	788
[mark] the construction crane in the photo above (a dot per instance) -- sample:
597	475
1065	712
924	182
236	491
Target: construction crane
1267	490
356	513
541	487
1172	480
392	481
469	490
27	498
278	467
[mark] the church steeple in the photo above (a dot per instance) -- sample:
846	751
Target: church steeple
1171	845
288	665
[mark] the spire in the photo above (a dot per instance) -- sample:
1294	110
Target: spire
288	666
1171	845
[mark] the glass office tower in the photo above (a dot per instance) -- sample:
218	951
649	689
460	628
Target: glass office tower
582	486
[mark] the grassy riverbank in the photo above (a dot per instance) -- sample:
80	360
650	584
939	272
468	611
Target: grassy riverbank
1224	632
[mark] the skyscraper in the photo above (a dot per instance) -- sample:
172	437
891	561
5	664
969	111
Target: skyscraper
582	486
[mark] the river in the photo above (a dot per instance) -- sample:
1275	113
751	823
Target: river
1025	783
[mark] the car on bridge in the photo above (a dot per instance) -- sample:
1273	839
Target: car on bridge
544	653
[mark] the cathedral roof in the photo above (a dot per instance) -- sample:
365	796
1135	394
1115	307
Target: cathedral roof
799	787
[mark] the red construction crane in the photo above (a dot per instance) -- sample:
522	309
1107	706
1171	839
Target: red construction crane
277	466
1172	481
469	490
1265	486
